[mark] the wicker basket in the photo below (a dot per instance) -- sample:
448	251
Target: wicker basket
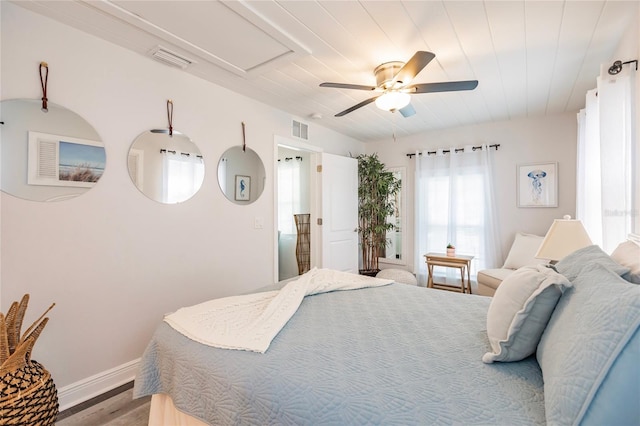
28	395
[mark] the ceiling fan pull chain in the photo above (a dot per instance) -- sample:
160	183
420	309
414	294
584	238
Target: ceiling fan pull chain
170	116
393	127
43	84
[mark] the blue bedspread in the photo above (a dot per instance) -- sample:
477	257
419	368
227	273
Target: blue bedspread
394	355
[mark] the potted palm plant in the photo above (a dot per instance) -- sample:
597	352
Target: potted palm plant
376	202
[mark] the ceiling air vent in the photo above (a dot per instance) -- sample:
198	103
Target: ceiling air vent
300	130
168	57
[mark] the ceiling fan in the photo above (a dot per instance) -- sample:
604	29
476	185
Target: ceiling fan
393	83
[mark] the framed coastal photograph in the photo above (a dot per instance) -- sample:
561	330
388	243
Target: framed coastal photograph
243	188
57	160
537	184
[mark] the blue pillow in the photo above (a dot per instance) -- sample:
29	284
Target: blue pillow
571	265
589	352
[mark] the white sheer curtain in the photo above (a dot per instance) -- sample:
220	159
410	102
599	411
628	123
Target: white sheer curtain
222	174
455	204
182	175
289	200
607	191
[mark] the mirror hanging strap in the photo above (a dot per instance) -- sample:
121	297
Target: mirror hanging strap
244	139
43	83
170	116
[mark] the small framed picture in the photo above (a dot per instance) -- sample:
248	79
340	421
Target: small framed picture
537	185
243	188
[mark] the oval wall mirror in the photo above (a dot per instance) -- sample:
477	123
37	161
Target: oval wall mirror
47	156
241	175
166	168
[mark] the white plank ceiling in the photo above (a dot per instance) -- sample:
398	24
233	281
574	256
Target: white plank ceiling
531	58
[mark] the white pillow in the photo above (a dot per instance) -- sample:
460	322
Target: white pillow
520	310
523	251
628	254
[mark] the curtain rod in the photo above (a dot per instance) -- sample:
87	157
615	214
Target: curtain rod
446	151
186	154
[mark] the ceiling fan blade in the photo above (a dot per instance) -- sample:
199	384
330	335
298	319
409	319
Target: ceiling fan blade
347	86
355	107
407	111
447	86
413	67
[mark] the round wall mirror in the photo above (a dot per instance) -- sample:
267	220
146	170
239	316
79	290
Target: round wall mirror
47	156
166	168
241	175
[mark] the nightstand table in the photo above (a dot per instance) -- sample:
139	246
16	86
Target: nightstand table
459	261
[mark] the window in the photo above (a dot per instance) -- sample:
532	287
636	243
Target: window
455	205
289	200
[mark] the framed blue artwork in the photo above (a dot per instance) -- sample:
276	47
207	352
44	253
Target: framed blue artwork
537	185
243	188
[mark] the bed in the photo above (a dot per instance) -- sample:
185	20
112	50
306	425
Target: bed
400	355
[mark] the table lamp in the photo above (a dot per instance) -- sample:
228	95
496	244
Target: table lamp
564	237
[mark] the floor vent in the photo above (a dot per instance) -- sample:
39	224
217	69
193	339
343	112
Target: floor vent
168	57
300	130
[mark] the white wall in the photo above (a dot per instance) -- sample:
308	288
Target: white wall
113	260
531	140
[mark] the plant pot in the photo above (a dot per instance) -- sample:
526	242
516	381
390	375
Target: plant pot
29	396
451	252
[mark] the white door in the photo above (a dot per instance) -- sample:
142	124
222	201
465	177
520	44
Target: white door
339	179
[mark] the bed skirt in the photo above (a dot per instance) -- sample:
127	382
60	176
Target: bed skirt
164	413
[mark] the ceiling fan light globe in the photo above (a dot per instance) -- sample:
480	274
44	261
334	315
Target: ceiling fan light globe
391	101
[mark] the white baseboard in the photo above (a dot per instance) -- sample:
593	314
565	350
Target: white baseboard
83	390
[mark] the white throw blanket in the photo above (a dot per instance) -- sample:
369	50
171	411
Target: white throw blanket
250	322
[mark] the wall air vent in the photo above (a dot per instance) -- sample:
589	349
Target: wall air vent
300	130
168	57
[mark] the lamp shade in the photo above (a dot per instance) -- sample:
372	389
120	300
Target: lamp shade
393	100
564	237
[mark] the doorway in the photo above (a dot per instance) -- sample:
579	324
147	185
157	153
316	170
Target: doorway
295	204
294	212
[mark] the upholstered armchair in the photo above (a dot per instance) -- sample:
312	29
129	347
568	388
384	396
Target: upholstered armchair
522	252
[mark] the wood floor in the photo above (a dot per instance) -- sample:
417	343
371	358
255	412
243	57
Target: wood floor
117	408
